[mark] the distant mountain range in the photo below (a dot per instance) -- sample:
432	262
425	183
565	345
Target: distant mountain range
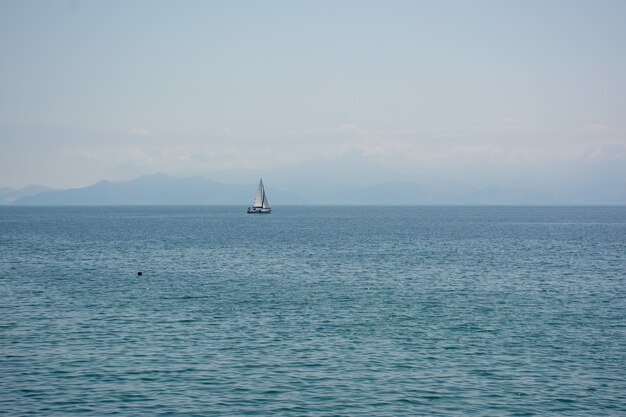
409	193
161	189
10	195
157	189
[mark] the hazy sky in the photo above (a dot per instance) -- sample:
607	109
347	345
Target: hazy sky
477	91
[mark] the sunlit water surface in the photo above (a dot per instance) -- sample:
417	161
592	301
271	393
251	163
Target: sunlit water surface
321	311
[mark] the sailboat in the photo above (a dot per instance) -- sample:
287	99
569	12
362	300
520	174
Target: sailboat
260	204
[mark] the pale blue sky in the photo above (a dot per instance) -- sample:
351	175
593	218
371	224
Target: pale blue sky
463	90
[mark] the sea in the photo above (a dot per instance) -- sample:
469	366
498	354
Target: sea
313	311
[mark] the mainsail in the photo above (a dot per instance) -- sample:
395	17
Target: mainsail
259	198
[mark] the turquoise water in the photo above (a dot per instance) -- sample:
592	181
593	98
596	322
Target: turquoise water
323	311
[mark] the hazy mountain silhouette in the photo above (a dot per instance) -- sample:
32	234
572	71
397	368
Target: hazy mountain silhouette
409	193
354	181
320	181
388	193
10	195
159	189
499	195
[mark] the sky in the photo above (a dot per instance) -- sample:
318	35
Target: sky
521	93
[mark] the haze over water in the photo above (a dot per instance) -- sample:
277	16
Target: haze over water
313	311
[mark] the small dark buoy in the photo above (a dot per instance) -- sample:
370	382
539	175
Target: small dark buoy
139	273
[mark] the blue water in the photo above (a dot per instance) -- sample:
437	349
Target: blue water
327	311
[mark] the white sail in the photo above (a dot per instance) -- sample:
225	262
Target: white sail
260	203
266	204
258	198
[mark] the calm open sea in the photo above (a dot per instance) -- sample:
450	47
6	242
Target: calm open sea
320	311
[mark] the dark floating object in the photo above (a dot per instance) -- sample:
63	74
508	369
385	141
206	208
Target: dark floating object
139	273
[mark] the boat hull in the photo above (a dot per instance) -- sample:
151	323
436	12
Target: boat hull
258	210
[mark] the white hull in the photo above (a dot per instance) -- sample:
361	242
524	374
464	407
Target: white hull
259	210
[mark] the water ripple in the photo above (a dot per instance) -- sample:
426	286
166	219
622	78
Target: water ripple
327	312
